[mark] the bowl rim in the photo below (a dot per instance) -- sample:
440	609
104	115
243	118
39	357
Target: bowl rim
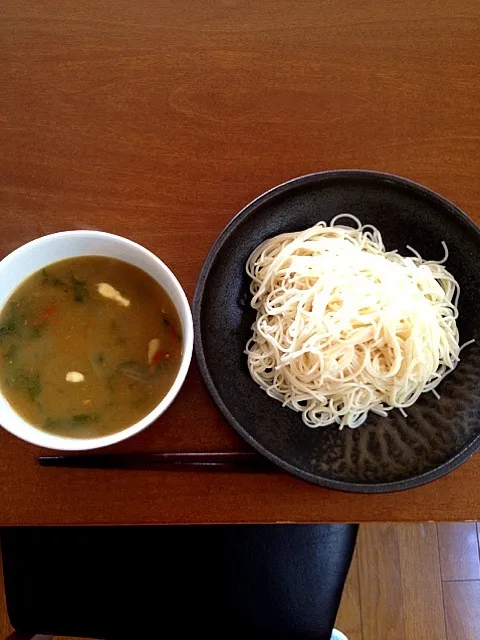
61	443
249	209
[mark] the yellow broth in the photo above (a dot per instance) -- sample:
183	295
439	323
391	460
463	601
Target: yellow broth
58	323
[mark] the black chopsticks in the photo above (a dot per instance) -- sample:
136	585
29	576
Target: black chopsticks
244	462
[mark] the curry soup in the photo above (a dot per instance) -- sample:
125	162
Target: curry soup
88	346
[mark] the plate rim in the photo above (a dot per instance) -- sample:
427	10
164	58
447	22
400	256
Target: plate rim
340	485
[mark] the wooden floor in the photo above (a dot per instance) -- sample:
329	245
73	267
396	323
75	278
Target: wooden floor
413	582
406	582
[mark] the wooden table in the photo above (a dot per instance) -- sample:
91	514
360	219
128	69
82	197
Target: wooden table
159	121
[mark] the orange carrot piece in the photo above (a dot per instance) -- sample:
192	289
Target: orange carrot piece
160	355
46	315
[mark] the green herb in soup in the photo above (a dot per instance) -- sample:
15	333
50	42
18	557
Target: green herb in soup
88	346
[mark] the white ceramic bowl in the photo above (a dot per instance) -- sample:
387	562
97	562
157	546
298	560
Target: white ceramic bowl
35	255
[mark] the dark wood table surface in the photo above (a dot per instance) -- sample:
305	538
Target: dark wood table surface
158	120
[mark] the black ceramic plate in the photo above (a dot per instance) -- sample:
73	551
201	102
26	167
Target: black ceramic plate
384	454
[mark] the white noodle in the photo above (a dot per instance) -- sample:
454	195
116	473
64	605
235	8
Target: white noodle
344	327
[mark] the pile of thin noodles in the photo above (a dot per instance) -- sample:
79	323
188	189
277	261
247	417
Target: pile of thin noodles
344	327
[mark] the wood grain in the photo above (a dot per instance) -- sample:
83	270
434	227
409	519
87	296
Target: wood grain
458	547
420	569
380	583
159	121
462	610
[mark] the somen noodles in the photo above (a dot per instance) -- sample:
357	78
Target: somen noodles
344	327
